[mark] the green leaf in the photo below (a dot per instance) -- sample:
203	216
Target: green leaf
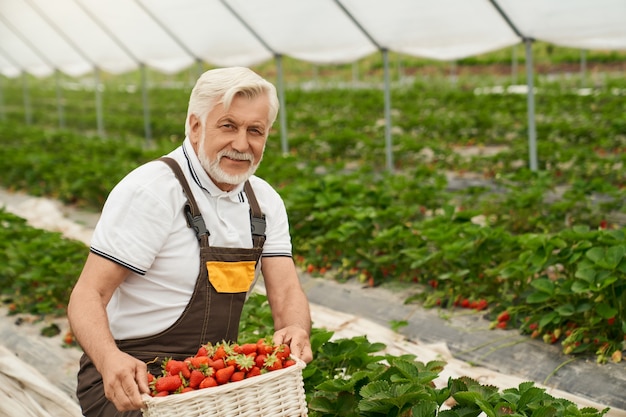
565	310
543	285
552	317
425	409
538	297
606	258
605	311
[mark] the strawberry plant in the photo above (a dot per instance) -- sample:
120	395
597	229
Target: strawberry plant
37	268
469	230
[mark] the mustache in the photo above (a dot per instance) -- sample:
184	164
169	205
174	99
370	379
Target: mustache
239	156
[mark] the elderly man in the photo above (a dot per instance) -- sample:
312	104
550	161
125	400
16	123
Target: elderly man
179	245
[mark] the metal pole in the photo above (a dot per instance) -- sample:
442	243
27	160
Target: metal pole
3	115
532	132
282	115
60	106
583	68
28	111
146	104
99	118
514	65
389	153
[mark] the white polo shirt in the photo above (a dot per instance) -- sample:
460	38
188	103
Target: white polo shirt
142	227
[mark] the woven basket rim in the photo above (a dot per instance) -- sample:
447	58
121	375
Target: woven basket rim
150	401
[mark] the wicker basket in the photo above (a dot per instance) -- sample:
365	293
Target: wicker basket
274	394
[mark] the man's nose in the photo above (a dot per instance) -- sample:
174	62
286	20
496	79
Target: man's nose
240	142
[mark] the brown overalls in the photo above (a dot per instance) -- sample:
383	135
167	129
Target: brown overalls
212	314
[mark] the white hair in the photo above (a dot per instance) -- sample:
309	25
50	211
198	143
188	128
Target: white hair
220	86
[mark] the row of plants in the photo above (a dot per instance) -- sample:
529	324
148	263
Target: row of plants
546	248
355	377
348	377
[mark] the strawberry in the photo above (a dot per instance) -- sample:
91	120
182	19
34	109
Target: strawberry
198	362
187	389
264	346
254	371
260	360
169	383
504	316
273	363
208	382
202	351
161	394
196	378
244	363
220	353
175	367
283	351
289	362
222	376
248	348
237	376
217	364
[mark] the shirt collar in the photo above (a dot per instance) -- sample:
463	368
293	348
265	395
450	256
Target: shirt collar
202	178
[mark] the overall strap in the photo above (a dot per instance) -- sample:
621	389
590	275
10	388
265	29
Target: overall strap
194	217
257	218
192	212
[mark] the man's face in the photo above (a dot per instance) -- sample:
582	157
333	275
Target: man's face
230	145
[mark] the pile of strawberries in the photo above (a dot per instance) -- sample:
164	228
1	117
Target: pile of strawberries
219	364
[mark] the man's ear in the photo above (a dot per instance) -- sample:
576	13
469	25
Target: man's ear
195	128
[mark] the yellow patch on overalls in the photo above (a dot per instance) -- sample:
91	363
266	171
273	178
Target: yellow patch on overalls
231	277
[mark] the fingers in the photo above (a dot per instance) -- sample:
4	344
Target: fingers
124	385
298	341
302	350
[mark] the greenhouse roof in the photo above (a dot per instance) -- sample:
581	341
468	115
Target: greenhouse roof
74	37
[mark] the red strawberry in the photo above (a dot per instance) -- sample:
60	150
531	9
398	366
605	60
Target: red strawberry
273	363
217	364
237	376
222	376
169	383
175	367
199	361
208	382
196	378
248	348
260	360
264	346
283	351
202	351
289	362
255	371
504	316
220	353
187	389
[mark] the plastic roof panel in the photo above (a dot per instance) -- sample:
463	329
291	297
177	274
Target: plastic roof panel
315	31
586	24
76	36
208	31
437	29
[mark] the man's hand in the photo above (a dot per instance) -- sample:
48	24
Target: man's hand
125	379
298	340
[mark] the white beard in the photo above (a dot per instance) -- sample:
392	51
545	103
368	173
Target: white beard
217	174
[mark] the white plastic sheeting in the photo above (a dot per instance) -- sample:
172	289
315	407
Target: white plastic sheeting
76	36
